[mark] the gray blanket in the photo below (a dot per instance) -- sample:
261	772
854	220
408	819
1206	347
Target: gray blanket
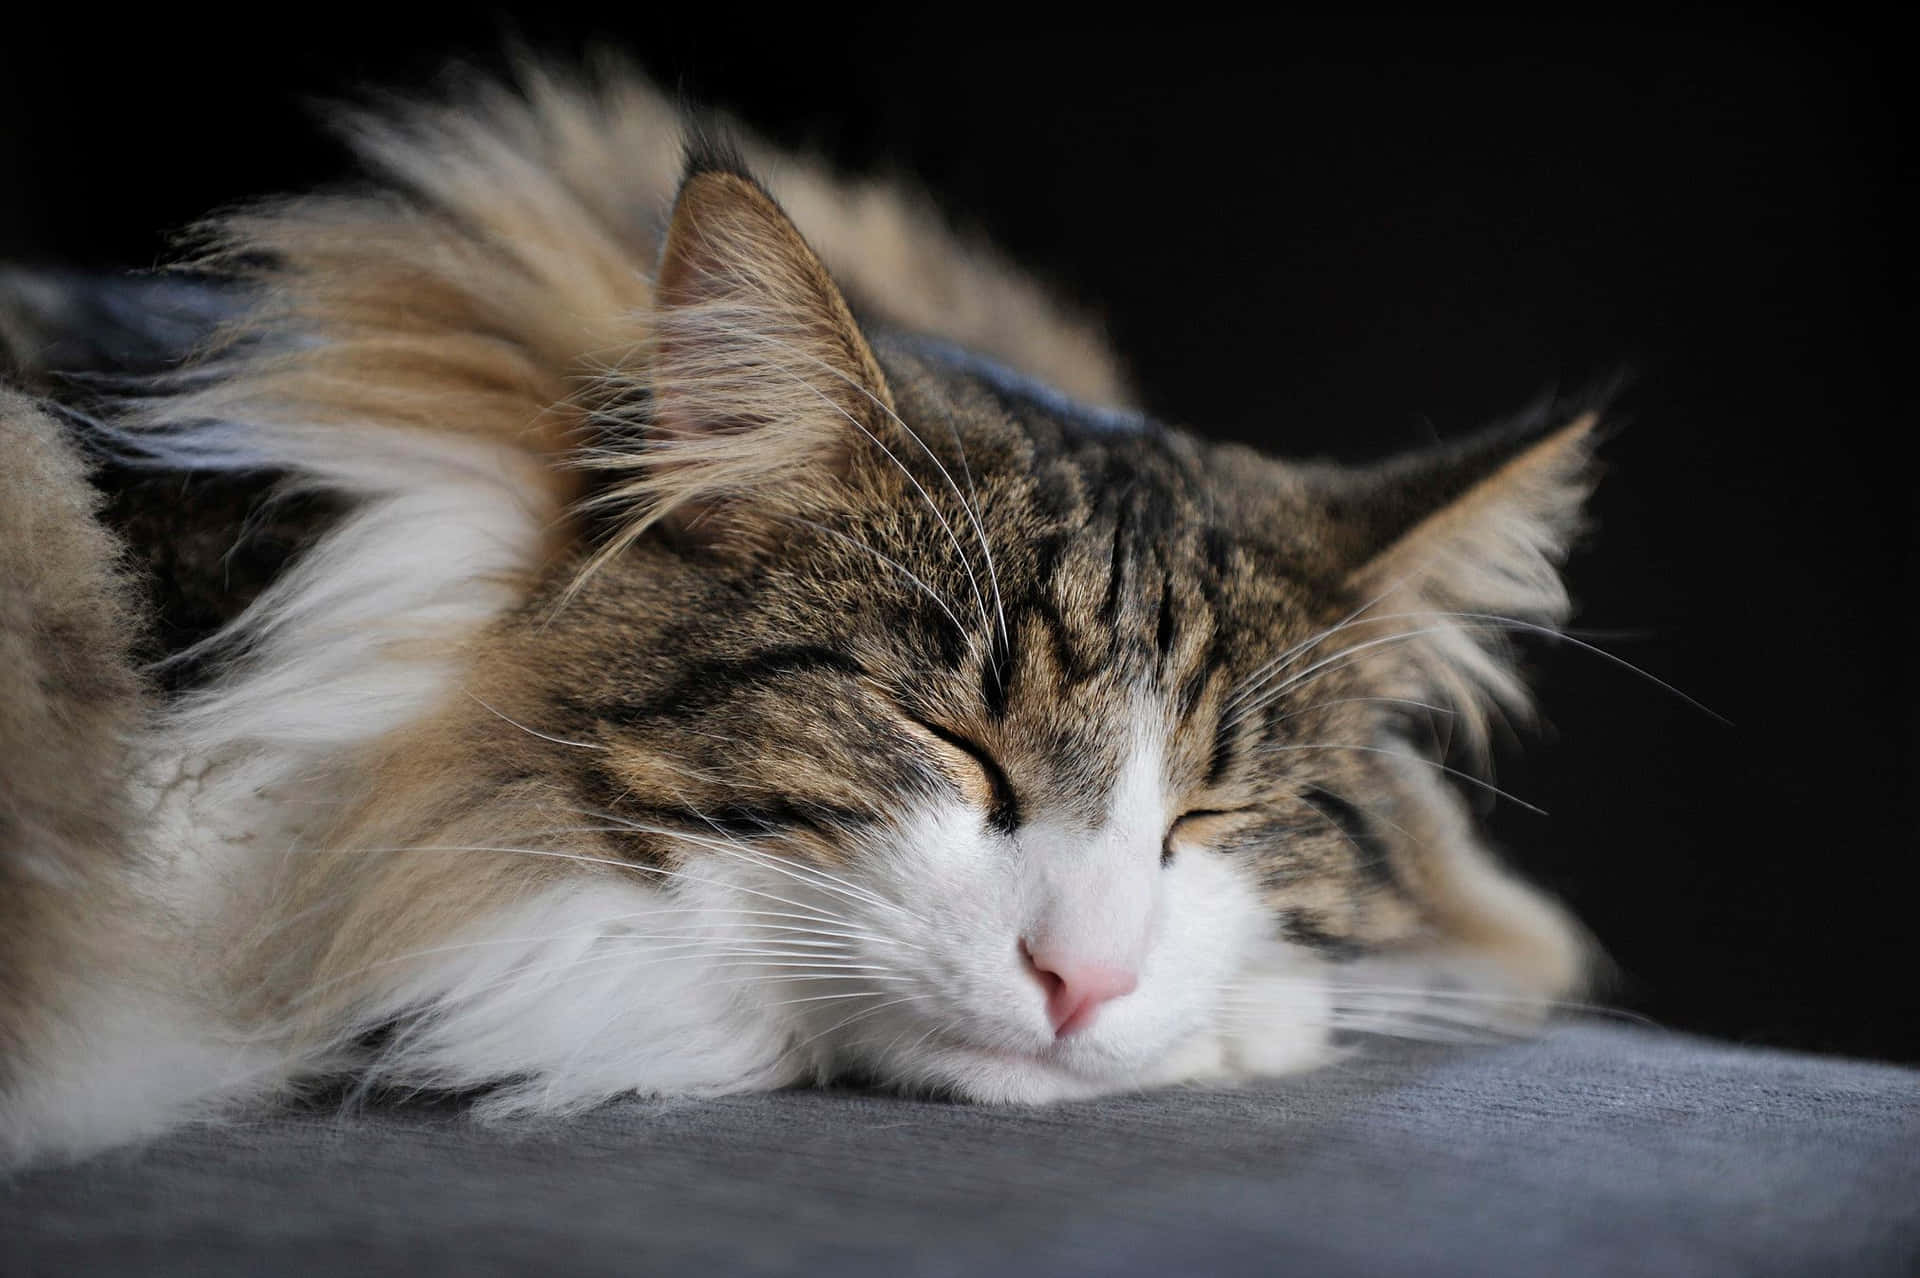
1597	1150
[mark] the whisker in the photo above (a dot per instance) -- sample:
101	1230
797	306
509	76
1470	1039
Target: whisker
573	970
887	975
1488	621
1562	636
667	947
1410	757
986	550
1251	683
1346	656
1343	701
806	875
532	732
827	998
858	1016
900	465
971	505
629	866
744	849
904	571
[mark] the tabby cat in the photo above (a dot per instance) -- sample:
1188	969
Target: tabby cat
601	612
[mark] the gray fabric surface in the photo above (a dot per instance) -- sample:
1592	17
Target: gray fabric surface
1597	1150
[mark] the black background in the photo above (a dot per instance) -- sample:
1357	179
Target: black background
1345	236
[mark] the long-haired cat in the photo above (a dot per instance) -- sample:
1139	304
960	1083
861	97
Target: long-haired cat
717	632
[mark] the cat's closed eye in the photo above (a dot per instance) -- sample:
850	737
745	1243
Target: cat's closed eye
1195	826
995	792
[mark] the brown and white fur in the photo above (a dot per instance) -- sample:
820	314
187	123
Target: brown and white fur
695	688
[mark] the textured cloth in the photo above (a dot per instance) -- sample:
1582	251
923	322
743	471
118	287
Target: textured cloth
1593	1151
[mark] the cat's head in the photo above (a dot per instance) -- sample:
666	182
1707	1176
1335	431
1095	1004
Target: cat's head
1038	749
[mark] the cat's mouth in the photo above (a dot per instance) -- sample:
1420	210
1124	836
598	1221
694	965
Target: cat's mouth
1048	1056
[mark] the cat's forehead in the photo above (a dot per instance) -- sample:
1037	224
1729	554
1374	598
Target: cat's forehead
1125	557
1050	465
1032	464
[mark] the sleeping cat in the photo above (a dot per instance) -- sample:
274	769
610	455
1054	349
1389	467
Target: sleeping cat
716	632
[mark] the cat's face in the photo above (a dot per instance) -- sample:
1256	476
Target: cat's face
1057	750
1032	718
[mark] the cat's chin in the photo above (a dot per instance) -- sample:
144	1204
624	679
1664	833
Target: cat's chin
996	1076
1010	1078
993	1077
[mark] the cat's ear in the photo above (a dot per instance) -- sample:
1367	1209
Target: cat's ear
761	387
1458	548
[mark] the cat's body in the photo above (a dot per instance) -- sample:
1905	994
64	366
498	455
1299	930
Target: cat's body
656	679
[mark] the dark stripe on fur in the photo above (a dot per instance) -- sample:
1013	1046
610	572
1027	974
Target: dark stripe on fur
1371	856
701	684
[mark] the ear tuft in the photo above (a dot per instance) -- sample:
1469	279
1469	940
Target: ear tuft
1459	548
760	385
708	150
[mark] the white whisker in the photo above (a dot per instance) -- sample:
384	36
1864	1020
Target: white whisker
904	571
532	732
808	875
1410	757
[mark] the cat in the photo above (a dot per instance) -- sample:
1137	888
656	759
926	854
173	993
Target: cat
717	631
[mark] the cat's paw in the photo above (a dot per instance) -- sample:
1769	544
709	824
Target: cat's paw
1279	1027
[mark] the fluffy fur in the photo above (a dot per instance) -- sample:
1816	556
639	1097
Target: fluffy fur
689	687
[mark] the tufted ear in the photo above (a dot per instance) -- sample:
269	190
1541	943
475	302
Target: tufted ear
1449	548
1445	553
761	387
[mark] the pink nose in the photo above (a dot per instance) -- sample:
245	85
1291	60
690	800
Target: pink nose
1075	990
